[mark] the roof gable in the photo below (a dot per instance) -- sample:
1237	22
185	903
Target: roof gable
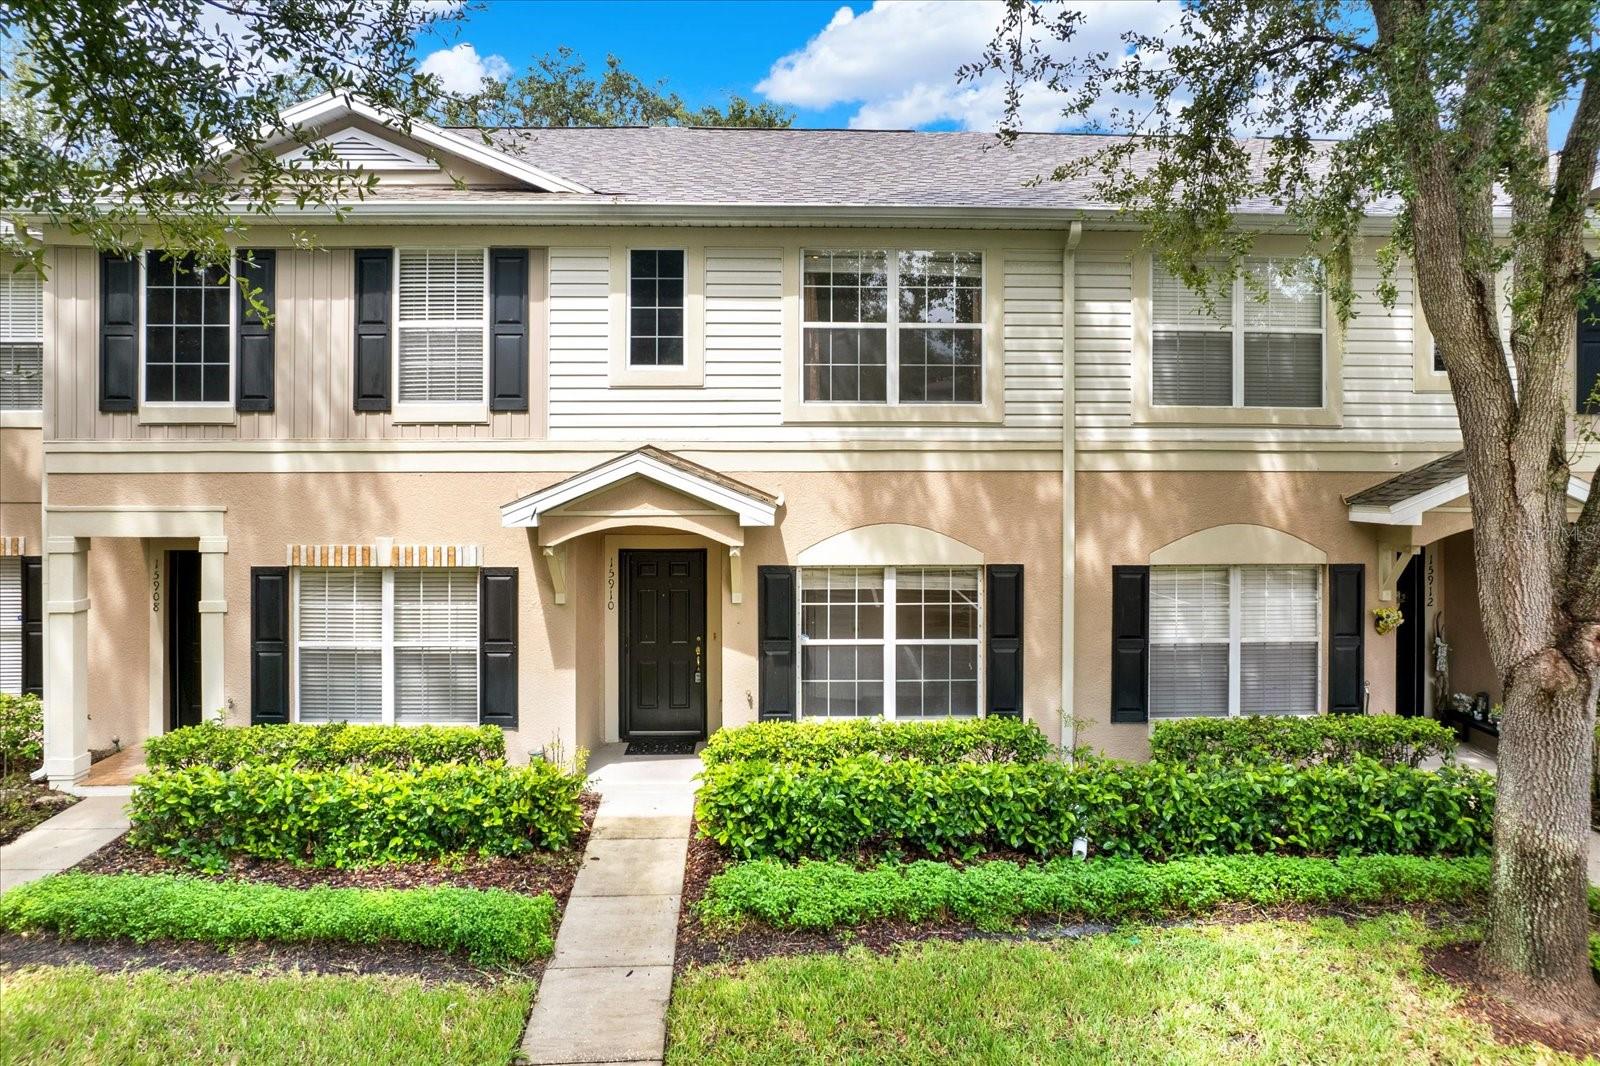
353	146
752	506
1402	499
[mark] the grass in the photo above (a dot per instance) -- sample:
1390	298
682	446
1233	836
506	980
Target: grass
62	1015
1267	992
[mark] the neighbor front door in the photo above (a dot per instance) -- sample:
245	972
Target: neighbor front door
662	633
183	639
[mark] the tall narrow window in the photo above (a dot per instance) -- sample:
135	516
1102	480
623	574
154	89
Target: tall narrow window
21	338
1260	344
941	327
655	307
442	325
1234	640
846	333
188	333
340	654
902	642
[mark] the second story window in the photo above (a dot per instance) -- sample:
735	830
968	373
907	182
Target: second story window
21	339
188	333
1244	351
655	307
441	325
893	327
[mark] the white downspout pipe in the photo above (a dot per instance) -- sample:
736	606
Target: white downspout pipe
1069	471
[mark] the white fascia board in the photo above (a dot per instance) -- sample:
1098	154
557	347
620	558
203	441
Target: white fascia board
526	511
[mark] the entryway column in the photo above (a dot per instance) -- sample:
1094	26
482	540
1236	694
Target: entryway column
66	657
213	610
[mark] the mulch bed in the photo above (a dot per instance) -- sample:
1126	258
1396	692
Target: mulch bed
1458	964
529	874
24	804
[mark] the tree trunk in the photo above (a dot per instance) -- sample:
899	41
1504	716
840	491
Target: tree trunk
1538	941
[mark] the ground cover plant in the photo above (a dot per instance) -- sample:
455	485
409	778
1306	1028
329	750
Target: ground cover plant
354	817
24	803
993	739
323	746
1127	810
1264	992
995	894
75	1015
490	927
1336	738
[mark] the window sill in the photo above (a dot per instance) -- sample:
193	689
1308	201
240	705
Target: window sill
183	414
21	419
1239	416
691	375
463	414
879	413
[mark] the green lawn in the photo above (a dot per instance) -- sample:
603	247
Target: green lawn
1271	992
74	1015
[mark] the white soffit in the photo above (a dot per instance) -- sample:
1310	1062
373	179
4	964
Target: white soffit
1409	512
890	544
751	510
1237	544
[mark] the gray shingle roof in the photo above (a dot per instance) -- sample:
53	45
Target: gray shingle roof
1404	486
835	168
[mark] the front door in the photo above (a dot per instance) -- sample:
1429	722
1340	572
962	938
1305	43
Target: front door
662	633
183	639
1410	647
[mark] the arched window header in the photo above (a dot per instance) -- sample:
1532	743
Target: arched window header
890	544
1238	544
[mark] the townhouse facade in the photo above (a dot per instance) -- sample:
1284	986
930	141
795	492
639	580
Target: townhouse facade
641	433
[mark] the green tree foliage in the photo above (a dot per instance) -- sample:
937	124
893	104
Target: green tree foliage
559	91
147	122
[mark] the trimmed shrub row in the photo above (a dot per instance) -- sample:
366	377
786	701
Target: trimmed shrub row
1147	811
348	817
994	895
21	733
490	927
1324	738
323	747
957	740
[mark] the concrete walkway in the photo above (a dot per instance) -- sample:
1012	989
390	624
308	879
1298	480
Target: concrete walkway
65	840
605	992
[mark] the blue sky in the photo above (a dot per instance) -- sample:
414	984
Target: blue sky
888	64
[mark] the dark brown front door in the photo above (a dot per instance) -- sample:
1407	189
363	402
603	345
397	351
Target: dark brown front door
183	639
663	638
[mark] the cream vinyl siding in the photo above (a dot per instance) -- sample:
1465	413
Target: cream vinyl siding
1380	402
315	337
742	398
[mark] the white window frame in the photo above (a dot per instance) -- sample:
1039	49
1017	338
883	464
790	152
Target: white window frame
386	646
1238	297
181	412
25	417
893	325
887	642
451	412
1236	639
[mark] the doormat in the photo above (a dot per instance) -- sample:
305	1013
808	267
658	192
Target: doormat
661	747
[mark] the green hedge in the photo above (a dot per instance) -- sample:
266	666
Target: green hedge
994	895
1148	811
348	817
21	733
1323	738
966	739
323	747
489	926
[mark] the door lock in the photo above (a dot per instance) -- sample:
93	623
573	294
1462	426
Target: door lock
697	675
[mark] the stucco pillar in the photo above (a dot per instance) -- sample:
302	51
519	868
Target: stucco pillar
213	609
66	656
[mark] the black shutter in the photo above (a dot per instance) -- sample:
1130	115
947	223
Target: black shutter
119	333
497	646
269	645
508	328
1588	351
1347	628
374	309
1130	643
255	348
33	625
1003	664
775	586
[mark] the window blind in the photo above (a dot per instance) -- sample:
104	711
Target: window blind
21	377
1189	638
340	634
435	646
11	625
442	306
21	305
1280	620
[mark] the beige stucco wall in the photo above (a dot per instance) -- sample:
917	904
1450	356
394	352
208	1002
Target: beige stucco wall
119	642
1471	667
1124	516
21	460
1009	517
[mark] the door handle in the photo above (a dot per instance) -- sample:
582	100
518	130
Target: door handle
697	674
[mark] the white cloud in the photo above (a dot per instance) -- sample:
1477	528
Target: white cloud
896	62
461	69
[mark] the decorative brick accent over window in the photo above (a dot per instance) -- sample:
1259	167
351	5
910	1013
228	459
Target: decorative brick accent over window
383	554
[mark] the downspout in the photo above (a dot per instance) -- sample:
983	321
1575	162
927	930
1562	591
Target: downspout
1069	470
